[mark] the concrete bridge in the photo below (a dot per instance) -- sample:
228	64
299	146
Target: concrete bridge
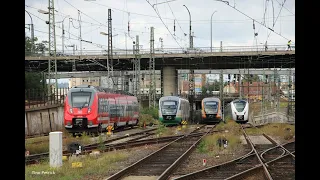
201	58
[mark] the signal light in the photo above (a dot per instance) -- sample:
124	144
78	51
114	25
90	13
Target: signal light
229	77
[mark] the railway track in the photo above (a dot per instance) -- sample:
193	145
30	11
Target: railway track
47	134
162	162
110	145
233	167
280	168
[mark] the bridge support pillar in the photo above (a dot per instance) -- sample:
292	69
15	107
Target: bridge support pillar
169	78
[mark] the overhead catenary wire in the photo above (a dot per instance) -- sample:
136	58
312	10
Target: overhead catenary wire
164	24
95	44
204	21
285	7
276	20
175	17
227	3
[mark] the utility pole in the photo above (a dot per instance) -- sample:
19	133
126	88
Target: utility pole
137	70
152	90
277	77
221	90
289	94
52	43
262	99
191	90
80	38
110	53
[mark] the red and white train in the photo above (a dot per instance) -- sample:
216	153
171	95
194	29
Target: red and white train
93	109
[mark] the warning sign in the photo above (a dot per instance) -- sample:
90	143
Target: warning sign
183	122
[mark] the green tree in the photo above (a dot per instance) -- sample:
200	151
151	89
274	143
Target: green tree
38	47
35	87
34	80
212	87
252	78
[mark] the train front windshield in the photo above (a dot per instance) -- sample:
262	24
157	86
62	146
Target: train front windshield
169	107
80	99
239	105
211	107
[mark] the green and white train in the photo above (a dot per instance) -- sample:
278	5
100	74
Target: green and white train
173	110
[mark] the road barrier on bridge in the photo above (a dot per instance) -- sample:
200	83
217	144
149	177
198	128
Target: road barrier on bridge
199	50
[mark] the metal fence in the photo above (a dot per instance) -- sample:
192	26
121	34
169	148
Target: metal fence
39	97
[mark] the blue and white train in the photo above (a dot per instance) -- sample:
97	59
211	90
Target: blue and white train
173	110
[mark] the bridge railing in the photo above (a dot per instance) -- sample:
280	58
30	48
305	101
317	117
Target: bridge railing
197	50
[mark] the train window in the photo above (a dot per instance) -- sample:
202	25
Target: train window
80	99
211	107
239	105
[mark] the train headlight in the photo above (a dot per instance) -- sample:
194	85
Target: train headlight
71	111
90	123
68	123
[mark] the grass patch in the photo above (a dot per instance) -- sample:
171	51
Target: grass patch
230	125
91	167
148	119
154	112
287	131
210	144
42	147
163	130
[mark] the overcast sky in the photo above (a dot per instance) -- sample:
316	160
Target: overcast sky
229	26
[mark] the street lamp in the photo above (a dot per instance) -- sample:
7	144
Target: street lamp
32	33
103	33
63	32
42	11
190	41
211	29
